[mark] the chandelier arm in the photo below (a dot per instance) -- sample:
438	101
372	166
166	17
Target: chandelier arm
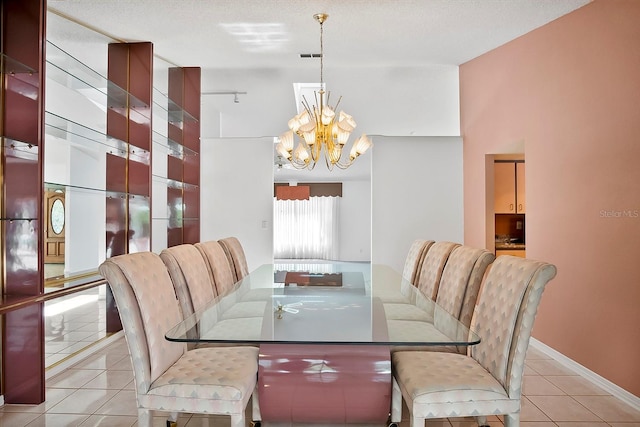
338	103
328	163
305	104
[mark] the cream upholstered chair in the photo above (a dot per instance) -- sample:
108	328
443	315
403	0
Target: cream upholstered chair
222	276
461	280
488	381
457	295
220	269
190	276
433	266
167	377
235	255
414	259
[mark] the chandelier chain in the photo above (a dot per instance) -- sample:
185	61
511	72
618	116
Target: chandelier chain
321	55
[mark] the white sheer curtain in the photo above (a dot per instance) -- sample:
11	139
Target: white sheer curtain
306	229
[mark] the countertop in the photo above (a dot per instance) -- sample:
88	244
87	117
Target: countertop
510	246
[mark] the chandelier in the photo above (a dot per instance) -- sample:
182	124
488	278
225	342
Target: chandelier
320	130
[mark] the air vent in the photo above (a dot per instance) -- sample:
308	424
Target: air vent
310	55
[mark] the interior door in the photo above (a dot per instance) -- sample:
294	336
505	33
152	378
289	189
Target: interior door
54	226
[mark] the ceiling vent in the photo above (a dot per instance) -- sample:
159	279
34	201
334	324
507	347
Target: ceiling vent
310	55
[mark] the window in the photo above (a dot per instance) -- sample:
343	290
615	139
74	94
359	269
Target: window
306	229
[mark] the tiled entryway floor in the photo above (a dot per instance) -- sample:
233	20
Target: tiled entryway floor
98	391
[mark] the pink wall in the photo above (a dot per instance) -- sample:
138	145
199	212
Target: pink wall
571	91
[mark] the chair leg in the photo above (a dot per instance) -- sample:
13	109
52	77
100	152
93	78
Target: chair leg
144	417
396	402
255	406
512	420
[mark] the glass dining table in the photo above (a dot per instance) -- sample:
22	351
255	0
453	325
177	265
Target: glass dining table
326	332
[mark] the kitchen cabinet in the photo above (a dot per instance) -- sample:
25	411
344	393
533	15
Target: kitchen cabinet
509	187
520	193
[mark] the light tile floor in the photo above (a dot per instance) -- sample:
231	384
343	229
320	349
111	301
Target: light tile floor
98	391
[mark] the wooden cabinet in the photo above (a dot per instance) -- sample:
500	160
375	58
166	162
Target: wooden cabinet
509	187
520	194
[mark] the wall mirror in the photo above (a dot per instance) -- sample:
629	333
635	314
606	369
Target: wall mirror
79	232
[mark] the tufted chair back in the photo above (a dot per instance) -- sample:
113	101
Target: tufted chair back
190	276
147	310
433	266
504	317
461	279
214	380
487	381
218	265
237	259
415	257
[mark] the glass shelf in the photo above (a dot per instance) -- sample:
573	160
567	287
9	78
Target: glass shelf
12	67
72	188
66	188
76	134
190	187
174	149
71	73
20	150
172	183
168	111
23	79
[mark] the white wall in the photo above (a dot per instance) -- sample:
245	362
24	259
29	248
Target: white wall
416	193
236	194
385	100
355	221
416	180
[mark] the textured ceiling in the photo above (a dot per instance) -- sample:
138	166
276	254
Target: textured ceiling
362	32
253	46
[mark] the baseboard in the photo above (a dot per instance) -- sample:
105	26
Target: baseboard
615	390
81	355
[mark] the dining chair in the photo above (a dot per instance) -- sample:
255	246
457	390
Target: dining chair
190	277
461	280
457	296
433	266
220	270
235	254
487	381
415	258
167	377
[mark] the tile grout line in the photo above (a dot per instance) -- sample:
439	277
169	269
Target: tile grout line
608	386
